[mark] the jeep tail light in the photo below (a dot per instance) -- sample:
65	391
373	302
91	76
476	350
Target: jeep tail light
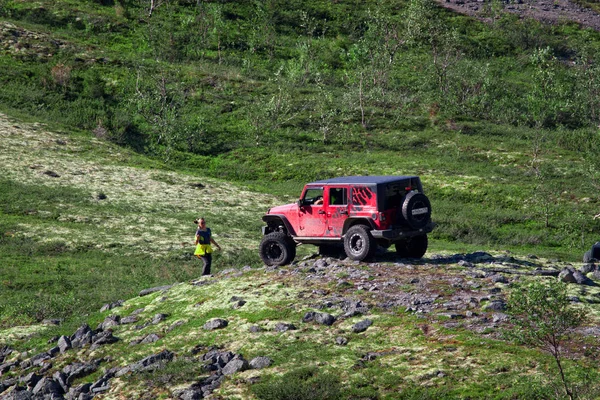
408	188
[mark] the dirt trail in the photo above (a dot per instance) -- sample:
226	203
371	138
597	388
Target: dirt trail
553	12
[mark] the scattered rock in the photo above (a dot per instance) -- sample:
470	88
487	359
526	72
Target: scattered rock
581	279
495	305
362	326
82	336
587	268
237	364
110	321
158	318
47	388
566	275
79	370
255	329
341	341
152	362
283	327
110	306
215	323
260	362
146	292
51	174
238	304
498	278
130	319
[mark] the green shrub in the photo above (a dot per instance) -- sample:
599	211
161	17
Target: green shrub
301	384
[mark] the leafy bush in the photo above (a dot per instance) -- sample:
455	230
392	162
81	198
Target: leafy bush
544	317
300	384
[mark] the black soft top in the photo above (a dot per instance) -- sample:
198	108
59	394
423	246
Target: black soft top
363	180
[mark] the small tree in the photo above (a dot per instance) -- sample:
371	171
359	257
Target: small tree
543	318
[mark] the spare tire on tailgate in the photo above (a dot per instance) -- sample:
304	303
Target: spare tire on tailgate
416	210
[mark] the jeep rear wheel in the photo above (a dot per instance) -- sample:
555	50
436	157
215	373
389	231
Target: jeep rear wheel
358	243
277	248
414	247
416	210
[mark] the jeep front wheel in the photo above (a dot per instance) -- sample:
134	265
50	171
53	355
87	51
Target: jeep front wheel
414	247
358	243
277	248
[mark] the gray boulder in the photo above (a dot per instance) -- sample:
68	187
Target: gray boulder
236	365
495	305
152	362
103	338
47	387
566	275
151	338
309	316
110	321
587	268
581	279
260	362
283	327
64	343
110	306
362	326
499	278
130	319
146	292
158	318
341	341
79	370
215	323
324	319
82	336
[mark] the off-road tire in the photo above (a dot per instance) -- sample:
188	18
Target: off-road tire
277	248
359	243
414	247
416	210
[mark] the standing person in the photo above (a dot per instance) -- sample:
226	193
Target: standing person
203	245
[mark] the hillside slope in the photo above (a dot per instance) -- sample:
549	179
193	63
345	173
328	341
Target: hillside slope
329	328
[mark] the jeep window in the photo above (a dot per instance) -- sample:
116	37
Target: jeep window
394	194
361	196
395	191
338	196
312	195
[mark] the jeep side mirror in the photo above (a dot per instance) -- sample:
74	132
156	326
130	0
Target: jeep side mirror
300	203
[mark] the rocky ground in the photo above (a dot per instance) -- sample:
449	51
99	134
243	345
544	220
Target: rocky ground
347	301
553	12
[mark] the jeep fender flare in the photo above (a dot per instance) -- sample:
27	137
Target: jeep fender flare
357	221
277	219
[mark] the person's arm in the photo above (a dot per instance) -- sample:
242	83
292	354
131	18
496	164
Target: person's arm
215	243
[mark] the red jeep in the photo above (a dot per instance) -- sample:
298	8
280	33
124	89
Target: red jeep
360	212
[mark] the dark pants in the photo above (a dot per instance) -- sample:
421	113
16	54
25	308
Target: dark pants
207	261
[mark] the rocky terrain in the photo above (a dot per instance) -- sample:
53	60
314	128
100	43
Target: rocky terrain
337	304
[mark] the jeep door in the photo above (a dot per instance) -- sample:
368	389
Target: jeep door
336	209
311	213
